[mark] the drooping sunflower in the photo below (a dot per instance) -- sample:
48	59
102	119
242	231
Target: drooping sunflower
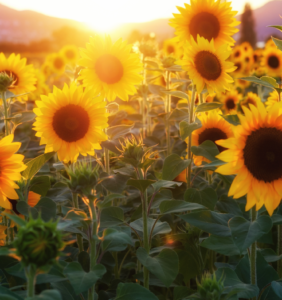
41	87
111	69
254	155
207	65
57	63
251	98
171	47
210	19
214	128
230	101
273	98
23	74
11	166
70	53
71	122
272	61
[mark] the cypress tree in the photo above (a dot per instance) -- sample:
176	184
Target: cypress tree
248	32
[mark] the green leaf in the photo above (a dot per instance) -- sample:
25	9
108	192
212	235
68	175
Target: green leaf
47	208
177	206
80	280
233	285
209	221
277	288
222	245
232	119
177	94
206	197
116	132
19	221
34	165
178	115
276	26
115	183
164	266
208	106
66	290
76	215
47	295
114	240
108	199
173	166
270	255
140	184
159	227
133	291
208	149
111	216
24	209
245	233
256	80
188	258
270	80
186	129
6	294
181	292
4	251
278	43
165	184
40	185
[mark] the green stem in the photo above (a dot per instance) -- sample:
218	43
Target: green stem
93	237
279	249
260	92
122	262
191	118
209	178
6	113
167	110
253	254
144	102
30	273
201	98
78	236
107	161
146	243
115	255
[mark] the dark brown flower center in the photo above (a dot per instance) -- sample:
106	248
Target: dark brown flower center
14	205
273	62
212	134
109	68
204	24
208	65
237	53
230	104
170	49
239	66
262	154
58	63
71	123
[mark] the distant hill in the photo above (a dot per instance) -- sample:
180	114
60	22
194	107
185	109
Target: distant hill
26	26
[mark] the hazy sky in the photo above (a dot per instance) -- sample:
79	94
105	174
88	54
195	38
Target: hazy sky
105	14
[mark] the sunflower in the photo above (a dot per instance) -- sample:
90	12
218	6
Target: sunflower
251	98
210	19
257	55
110	69
207	66
57	63
11	165
247	48
23	75
242	84
270	44
70	54
214	128
230	101
41	87
254	155
273	98
211	98
172	48
272	61
237	53
71	122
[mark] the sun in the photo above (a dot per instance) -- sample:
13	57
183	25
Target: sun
103	24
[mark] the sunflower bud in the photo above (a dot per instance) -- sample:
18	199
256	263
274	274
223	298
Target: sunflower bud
5	81
148	48
83	178
132	151
38	243
210	288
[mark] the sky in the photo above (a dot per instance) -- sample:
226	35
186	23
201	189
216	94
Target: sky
104	15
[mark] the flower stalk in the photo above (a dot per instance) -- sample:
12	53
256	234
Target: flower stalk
191	119
279	249
253	254
78	236
30	273
167	110
6	113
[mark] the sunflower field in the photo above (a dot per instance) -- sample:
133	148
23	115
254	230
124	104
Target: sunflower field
145	171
